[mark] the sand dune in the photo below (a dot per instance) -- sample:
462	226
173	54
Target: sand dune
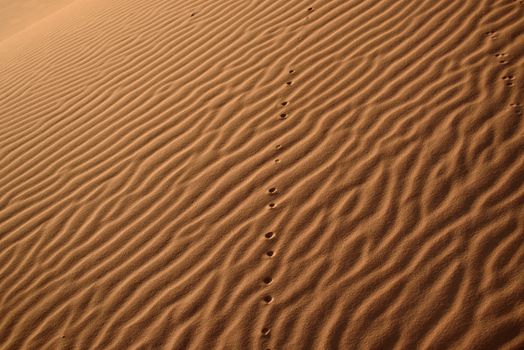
16	16
226	174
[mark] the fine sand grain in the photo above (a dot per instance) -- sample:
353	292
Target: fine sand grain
271	174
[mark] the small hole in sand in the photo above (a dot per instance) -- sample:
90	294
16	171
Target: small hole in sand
310	9
278	146
289	82
270	253
265	331
268	280
277	160
284	103
509	84
272	205
272	190
269	235
291	71
268	299
503	62
283	115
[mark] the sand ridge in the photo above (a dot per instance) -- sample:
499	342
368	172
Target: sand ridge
223	174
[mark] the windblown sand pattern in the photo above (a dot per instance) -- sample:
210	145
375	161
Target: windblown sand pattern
272	174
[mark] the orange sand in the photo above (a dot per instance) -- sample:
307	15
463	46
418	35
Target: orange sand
139	140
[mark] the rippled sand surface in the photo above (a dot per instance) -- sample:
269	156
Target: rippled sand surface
271	174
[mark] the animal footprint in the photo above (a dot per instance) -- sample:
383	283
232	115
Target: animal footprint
268	299
491	34
509	79
517	108
502	56
267	280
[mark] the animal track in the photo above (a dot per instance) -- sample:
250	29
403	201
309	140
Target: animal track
491	34
268	299
273	191
516	107
501	55
509	79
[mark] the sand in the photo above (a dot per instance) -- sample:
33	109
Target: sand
274	174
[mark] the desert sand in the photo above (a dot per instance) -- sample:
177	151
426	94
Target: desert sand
273	174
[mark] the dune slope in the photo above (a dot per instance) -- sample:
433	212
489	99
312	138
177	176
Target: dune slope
227	174
16	16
